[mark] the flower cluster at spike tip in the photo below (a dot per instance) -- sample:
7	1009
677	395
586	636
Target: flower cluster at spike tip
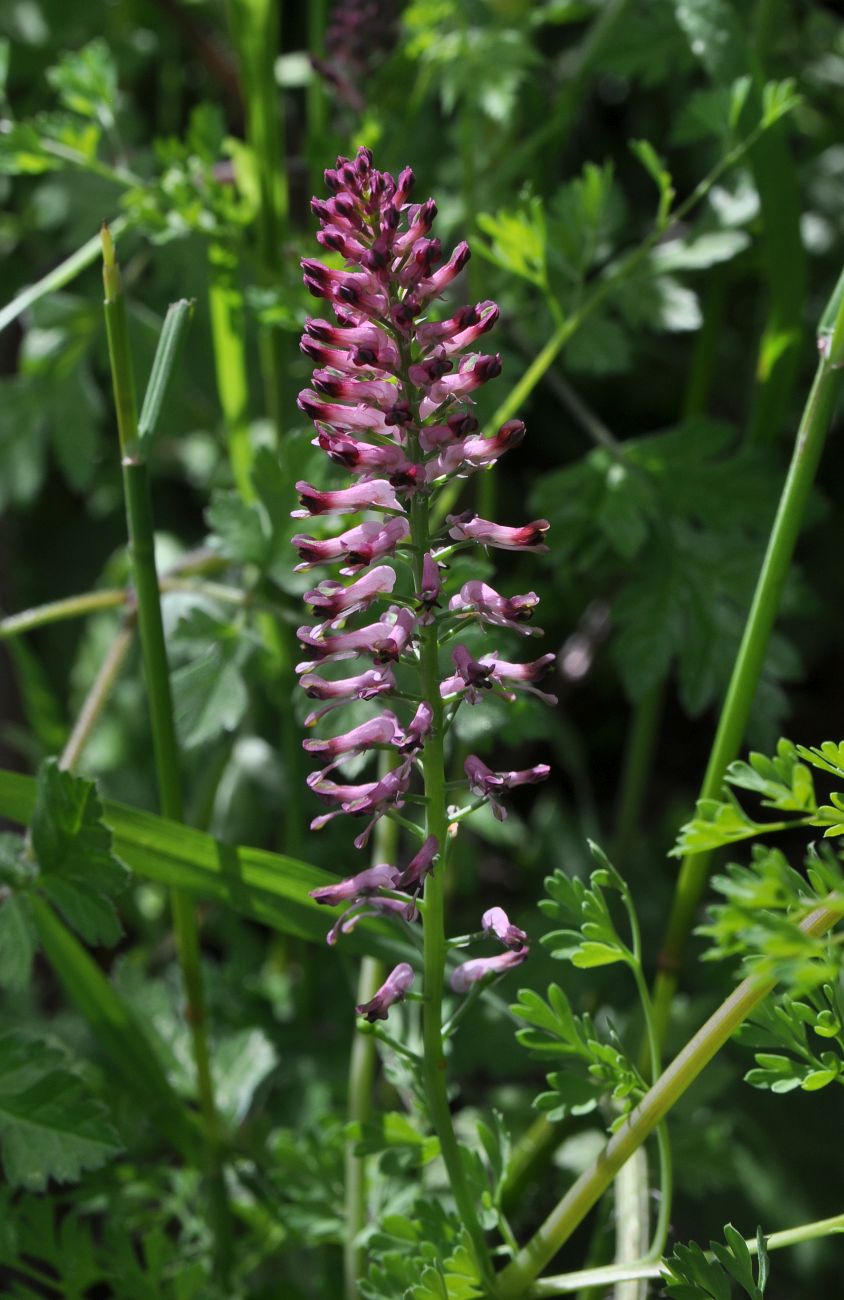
391	403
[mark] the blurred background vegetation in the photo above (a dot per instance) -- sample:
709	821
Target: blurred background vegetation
658	438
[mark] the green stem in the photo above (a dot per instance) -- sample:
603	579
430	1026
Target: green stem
636	769
139	518
435	949
570	1212
57	610
317	100
60	275
228	337
732	723
566	1283
255	27
361	1076
97	697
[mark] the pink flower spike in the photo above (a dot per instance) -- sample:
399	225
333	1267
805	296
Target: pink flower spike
374	494
493	608
496	922
469	527
383	730
467	379
359	886
420	866
394	989
470	972
333	598
441	279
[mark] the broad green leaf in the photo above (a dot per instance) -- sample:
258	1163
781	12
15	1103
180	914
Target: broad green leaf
209	694
74	852
122	1037
239	529
265	887
49	1126
17	941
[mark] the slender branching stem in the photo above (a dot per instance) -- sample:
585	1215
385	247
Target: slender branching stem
361	1077
570	1212
811	436
98	695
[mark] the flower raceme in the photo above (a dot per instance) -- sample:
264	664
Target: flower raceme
391	400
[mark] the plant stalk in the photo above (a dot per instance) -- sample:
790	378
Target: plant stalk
811	436
139	520
570	1212
362	1074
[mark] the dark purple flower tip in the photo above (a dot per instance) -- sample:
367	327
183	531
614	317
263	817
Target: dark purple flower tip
479	968
500	611
496	922
431	589
359	886
419	730
361	909
420	866
394	989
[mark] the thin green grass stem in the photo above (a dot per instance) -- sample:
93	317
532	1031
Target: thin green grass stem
63	274
255	26
732	723
516	1279
567	1283
98	695
636	769
385	840
139	517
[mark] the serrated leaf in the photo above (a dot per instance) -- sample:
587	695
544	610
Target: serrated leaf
74	853
49	1126
240	533
209	695
17	942
86	81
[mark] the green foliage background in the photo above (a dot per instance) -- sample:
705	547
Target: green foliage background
658	440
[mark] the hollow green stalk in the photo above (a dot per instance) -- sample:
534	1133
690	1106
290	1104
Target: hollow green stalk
566	1283
436	823
570	1212
362	1074
636	769
811	436
255	28
139	520
228	340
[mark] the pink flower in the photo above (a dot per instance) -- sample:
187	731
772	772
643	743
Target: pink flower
521	675
371	907
383	730
385	640
461	330
394	989
359	886
496	922
419	730
361	458
479	968
469	527
488	784
419	867
374	494
359	546
431	590
374	797
471	678
333	598
364	686
490	607
476	452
